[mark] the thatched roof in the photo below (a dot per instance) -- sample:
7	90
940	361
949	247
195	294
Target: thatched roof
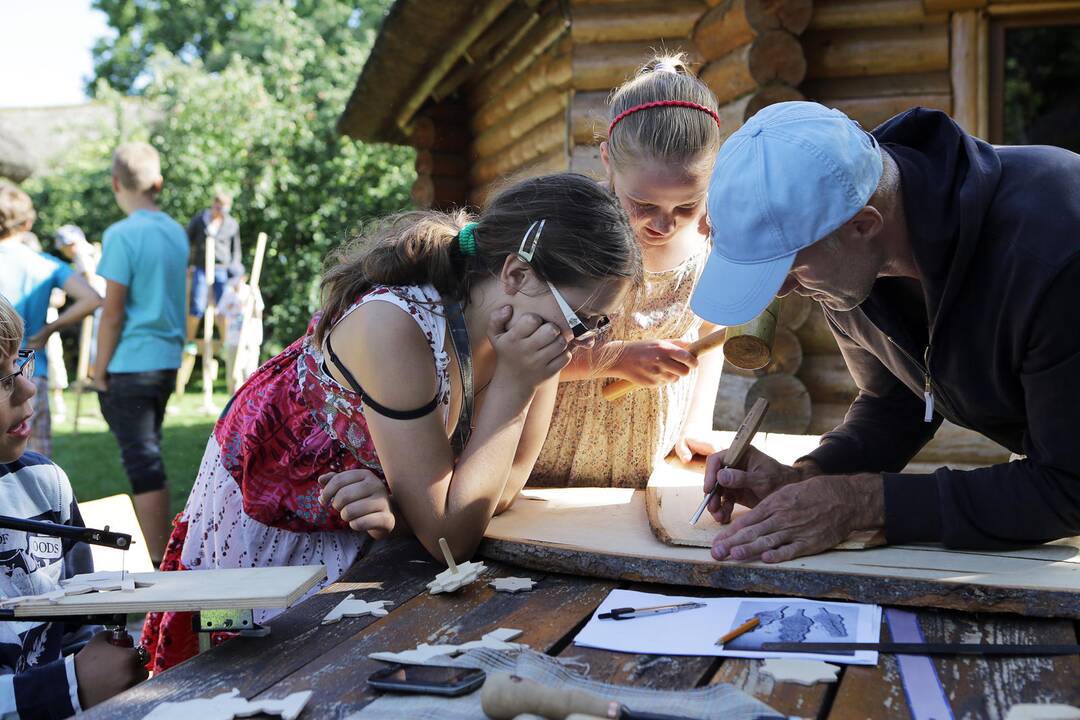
15	162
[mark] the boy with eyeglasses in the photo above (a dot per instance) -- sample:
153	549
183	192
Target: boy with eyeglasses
40	674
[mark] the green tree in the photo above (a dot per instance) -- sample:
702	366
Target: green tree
248	103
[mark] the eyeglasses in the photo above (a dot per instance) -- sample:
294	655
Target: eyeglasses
582	333
24	366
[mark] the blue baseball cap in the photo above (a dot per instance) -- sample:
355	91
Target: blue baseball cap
792	174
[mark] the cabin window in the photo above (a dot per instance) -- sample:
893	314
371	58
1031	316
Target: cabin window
1035	82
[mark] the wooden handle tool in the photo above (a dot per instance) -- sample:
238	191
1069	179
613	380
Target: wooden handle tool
506	696
743	436
710	342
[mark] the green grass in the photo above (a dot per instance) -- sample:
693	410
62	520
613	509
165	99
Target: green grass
92	458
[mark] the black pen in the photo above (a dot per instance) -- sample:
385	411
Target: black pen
628	613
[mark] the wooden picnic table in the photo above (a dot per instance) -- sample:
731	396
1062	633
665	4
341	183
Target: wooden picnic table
332	660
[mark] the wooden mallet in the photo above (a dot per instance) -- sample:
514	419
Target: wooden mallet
713	340
747	346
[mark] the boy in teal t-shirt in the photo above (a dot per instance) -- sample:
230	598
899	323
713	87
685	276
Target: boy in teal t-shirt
141	336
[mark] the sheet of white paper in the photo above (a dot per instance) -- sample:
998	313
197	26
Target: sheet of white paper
695	632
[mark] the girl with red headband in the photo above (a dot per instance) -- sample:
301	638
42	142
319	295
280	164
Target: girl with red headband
662	140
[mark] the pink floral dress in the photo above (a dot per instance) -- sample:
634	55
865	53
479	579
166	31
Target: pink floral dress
255	499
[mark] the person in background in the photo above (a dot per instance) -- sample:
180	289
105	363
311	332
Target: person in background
241	309
217	226
47	669
72	244
27	281
663	136
141	336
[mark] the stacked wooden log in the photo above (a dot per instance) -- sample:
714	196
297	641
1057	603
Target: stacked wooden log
790	407
441	138
611	40
518	106
875	58
752	53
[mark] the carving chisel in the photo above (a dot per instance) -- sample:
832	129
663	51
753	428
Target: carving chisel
739	445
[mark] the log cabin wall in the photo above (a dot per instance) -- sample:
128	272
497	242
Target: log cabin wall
875	58
440	135
518	106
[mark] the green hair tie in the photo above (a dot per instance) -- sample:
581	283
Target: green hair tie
467	239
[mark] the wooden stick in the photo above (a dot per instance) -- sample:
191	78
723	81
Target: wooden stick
741	630
247	315
208	329
447	556
699	347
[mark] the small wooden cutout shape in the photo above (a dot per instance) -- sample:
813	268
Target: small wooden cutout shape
498	639
803	672
455	576
1043	711
230	705
351	607
512	584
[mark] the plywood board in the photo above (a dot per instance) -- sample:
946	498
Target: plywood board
191	590
118	513
604	532
673	495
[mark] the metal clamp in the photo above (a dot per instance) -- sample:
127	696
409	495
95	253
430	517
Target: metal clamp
238	621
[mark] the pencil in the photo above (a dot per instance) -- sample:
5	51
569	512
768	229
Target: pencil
741	630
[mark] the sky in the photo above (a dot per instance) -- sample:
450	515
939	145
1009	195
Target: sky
45	52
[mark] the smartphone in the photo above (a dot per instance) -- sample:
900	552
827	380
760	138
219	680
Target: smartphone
427	680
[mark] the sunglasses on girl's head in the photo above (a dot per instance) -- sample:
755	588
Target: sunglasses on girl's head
24	366
582	332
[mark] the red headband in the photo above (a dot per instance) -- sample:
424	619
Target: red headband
663	103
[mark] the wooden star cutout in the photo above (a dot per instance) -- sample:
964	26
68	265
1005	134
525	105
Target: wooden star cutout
449	580
512	584
803	672
351	607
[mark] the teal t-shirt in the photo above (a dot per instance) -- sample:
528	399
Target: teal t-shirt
27	281
148	252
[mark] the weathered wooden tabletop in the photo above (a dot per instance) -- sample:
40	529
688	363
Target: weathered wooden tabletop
301	654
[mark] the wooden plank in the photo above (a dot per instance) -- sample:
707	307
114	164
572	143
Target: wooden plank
970	70
602	66
851	14
556	530
243	588
877	86
401	567
641	21
877	51
547	614
871	112
790	699
974	687
675	491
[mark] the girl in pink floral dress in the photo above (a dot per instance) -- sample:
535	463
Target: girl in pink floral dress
421	392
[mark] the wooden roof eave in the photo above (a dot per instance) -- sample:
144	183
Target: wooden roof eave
419	44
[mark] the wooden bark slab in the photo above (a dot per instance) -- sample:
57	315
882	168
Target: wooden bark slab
604	532
674	493
240	588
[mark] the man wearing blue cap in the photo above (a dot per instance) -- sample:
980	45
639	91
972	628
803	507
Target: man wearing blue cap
948	270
